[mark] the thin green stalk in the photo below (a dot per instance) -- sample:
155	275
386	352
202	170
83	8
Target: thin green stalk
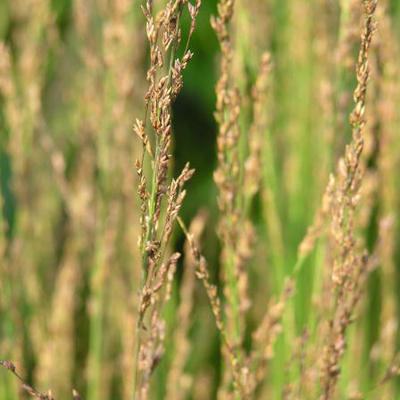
8	390
98	271
96	323
97	278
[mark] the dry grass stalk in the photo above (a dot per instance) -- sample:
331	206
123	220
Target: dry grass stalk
164	36
325	42
235	230
335	64
248	374
77	193
348	37
231	177
266	334
30	389
227	175
350	265
215	302
179	383
293	390
237	186
61	325
253	165
316	229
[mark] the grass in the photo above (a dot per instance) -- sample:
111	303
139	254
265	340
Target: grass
240	242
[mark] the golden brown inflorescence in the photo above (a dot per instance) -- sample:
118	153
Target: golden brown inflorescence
351	263
238	182
161	199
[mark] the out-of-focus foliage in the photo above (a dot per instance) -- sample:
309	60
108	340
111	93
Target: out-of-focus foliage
72	84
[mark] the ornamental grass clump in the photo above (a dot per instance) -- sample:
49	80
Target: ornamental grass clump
279	281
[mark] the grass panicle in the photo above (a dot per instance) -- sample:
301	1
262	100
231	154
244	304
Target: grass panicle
165	82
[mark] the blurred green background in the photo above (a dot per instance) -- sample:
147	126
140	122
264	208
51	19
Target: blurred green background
72	81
